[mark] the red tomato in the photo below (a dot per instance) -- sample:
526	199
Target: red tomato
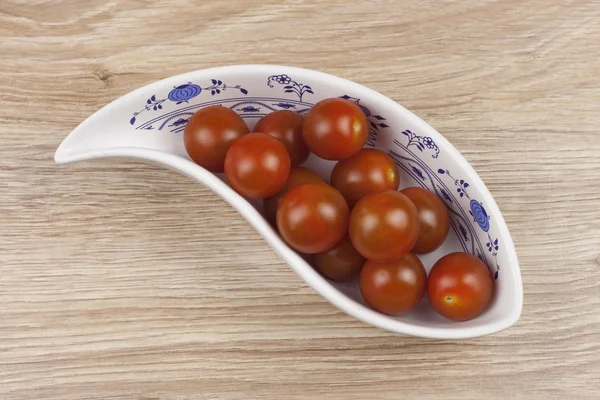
433	215
460	286
312	217
340	263
335	129
257	165
393	287
298	176
384	226
286	126
368	171
209	133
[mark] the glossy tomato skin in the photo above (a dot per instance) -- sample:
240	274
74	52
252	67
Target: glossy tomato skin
298	176
312	217
433	216
257	165
209	133
368	171
384	226
335	129
393	287
460	286
341	263
286	126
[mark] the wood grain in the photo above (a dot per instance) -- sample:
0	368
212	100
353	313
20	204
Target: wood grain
126	281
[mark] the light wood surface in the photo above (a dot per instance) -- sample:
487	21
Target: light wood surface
126	281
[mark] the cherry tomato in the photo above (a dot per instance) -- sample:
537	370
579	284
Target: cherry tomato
286	126
384	226
433	215
257	165
340	263
393	287
298	176
312	217
335	129
209	133
460	286
368	171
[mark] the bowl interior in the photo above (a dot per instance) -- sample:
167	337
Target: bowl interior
157	115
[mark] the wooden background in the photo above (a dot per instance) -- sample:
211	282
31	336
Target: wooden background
126	281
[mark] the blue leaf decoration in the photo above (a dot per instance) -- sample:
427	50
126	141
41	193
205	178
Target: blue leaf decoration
132	120
153	98
496	275
441	171
307	87
148	101
466	185
379	117
309	91
445	195
214	81
345	97
288	87
243	91
405	133
219	82
384	125
159	107
461	181
218	91
288	91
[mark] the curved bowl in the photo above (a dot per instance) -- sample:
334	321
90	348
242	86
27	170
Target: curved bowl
148	124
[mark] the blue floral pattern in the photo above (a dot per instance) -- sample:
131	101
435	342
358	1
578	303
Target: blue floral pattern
182	94
291	86
481	217
421	142
479	214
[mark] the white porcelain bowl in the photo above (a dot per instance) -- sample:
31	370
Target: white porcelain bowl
148	124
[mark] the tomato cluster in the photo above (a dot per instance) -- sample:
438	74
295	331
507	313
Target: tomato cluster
359	225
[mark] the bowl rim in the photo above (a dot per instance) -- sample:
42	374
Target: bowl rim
303	269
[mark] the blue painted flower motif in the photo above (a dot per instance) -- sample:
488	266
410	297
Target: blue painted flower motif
421	142
492	245
429	143
283	79
291	86
480	215
183	93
